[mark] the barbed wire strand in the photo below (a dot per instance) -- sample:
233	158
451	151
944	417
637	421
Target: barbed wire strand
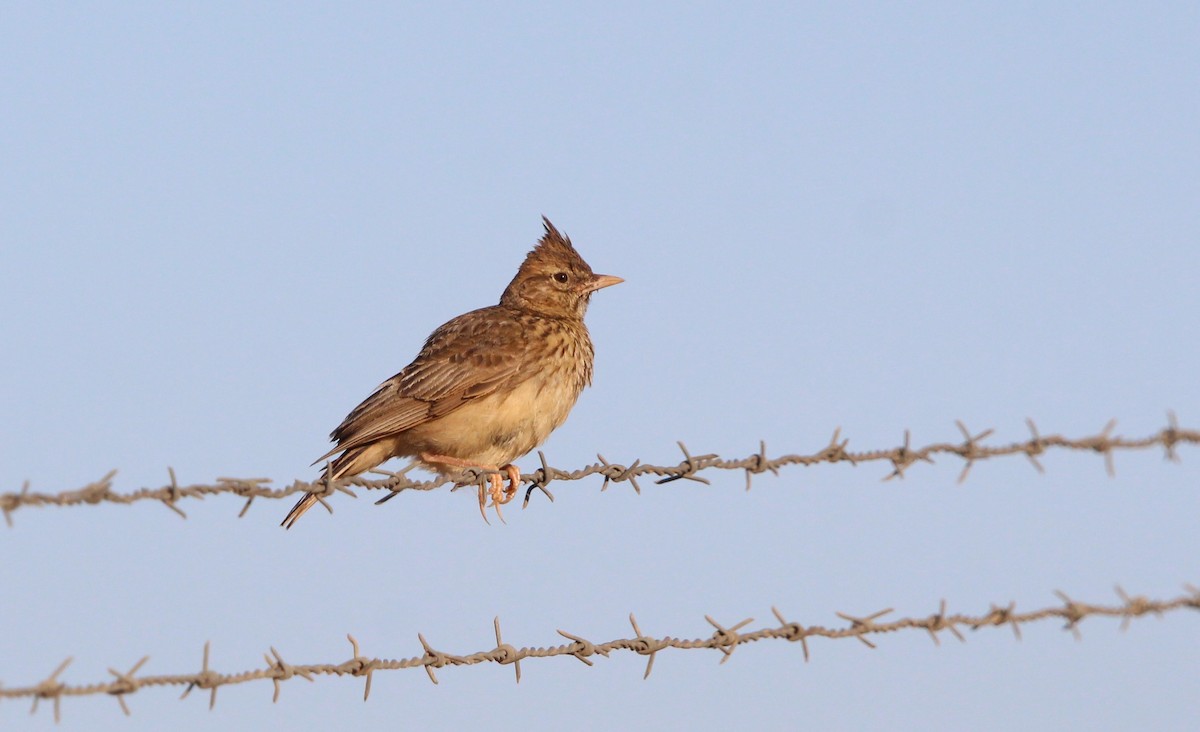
725	639
971	450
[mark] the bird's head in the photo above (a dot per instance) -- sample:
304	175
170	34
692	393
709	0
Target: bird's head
554	280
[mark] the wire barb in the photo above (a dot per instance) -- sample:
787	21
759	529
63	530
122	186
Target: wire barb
360	665
205	679
505	654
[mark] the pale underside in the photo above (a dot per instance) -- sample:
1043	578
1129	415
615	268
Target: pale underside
491	430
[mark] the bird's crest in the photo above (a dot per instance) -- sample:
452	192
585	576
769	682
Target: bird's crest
553	244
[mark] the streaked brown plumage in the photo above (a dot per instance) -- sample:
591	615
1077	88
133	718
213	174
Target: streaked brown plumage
488	386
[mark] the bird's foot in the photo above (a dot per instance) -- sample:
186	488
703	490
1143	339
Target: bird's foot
495	487
501	495
514	480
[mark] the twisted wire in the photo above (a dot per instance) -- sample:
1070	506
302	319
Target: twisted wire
969	450
725	639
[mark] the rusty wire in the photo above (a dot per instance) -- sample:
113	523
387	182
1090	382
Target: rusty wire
724	638
970	450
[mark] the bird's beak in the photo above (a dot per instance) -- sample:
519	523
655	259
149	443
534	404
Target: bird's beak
601	281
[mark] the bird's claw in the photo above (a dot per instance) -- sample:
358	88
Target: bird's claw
499	493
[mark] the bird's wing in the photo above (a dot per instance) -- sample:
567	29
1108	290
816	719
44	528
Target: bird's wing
467	358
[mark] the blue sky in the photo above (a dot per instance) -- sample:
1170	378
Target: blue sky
222	225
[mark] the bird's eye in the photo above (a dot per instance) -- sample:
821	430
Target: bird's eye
561	276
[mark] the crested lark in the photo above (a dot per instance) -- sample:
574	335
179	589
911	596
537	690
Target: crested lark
488	386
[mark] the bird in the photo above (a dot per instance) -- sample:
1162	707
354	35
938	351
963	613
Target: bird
487	386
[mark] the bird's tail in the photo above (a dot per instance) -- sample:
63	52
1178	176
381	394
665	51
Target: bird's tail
340	467
305	503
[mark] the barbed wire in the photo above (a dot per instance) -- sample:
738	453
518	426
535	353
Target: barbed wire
970	450
724	638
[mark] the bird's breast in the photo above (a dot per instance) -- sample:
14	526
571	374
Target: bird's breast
525	417
506	424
